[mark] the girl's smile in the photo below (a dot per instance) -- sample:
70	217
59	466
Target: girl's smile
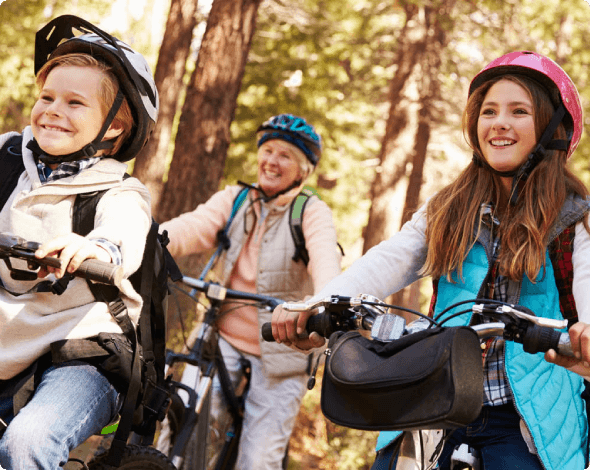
506	127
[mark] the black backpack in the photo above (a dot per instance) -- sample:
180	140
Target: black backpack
148	393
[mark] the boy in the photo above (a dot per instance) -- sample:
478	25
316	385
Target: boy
96	108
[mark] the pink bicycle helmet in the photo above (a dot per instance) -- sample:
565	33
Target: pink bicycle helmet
552	77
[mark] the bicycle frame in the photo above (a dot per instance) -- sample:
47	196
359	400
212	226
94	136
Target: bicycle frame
204	353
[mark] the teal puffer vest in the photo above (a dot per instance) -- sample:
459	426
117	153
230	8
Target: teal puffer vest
547	397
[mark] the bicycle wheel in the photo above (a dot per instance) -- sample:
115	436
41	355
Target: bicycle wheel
171	425
135	458
199	454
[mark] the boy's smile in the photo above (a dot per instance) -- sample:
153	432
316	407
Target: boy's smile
69	113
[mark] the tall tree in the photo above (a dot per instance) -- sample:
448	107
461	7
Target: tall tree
151	163
414	94
414	90
204	129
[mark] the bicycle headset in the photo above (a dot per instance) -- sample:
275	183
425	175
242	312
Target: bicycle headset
296	131
560	89
68	34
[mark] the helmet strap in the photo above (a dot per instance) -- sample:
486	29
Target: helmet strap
89	150
265	198
540	151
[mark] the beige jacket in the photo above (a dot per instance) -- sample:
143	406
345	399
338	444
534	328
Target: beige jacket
259	260
29	323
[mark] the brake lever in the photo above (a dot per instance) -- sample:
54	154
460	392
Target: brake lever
333	303
516	314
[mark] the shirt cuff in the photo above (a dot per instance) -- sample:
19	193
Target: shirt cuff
112	249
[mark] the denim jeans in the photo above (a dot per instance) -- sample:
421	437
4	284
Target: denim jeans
73	402
495	433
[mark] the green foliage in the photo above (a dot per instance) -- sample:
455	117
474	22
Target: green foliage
319	61
20	21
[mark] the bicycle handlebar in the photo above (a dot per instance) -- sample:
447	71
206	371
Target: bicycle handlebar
217	292
13	246
515	323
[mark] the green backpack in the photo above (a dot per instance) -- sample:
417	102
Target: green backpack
295	224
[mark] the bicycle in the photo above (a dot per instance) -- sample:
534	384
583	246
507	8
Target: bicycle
513	323
188	417
17	253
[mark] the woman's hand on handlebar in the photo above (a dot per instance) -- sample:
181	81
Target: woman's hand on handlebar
289	328
580	341
71	249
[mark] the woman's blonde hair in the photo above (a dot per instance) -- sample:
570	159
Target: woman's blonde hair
454	213
109	86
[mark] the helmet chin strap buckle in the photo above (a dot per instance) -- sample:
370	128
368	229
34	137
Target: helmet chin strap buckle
534	158
89	150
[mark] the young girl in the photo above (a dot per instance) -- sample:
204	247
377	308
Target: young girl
96	107
512	227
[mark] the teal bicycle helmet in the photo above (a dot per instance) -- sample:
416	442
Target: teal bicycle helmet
294	130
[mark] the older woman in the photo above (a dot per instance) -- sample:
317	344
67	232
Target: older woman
260	259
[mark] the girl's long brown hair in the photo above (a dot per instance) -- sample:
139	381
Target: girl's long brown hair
454	213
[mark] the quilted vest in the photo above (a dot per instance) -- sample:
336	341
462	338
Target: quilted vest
277	275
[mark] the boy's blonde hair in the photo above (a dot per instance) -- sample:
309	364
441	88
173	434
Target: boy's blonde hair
109	86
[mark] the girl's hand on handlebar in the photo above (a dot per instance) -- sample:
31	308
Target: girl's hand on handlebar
71	249
289	328
580	341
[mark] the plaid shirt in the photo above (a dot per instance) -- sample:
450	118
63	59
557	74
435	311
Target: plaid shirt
496	388
66	169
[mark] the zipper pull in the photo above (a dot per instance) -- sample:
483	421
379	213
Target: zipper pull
311	380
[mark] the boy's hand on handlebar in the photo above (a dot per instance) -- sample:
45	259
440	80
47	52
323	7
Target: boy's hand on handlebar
71	249
580	341
289	328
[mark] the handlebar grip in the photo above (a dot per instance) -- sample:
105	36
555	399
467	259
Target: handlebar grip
266	331
541	339
100	271
320	323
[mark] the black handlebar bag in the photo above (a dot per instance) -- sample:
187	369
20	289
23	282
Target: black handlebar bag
432	379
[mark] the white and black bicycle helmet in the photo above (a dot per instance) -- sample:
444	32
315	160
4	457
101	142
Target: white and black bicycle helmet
70	34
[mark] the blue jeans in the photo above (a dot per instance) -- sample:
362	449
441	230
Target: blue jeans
495	433
73	401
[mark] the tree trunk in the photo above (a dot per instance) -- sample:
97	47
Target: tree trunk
415	91
203	134
395	146
150	164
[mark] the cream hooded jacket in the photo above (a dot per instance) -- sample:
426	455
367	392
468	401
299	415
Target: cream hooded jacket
30	322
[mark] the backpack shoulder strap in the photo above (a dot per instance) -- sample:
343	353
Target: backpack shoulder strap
11	162
83	216
296	222
560	253
222	236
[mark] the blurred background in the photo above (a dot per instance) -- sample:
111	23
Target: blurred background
383	82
